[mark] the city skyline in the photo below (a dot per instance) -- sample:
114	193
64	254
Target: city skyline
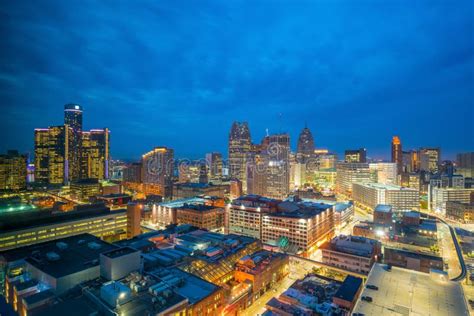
387	78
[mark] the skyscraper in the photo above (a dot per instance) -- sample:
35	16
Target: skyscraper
240	145
66	153
95	154
269	172
355	155
13	171
397	154
157	168
305	147
430	159
52	154
214	163
73	118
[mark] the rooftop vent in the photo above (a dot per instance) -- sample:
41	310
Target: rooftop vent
94	245
52	256
61	245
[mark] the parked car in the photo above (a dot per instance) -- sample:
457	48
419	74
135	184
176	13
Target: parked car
367	298
372	287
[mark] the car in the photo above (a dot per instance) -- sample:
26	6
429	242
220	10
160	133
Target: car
389	267
367	298
372	287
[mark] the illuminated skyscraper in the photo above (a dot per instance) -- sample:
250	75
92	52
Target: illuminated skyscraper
52	154
397	154
157	168
269	172
13	171
430	159
95	154
355	155
240	146
73	118
214	163
305	147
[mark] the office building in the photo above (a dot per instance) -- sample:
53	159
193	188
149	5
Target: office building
73	119
95	154
298	227
269	172
214	165
461	212
384	172
412	292
355	155
397	154
369	195
52	154
350	173
67	153
13	171
206	217
440	196
352	253
240	145
28	228
410	161
244	215
157	169
305	147
325	161
133	173
85	189
465	164
430	159
411	180
192	172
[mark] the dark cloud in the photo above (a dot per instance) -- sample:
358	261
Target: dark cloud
178	74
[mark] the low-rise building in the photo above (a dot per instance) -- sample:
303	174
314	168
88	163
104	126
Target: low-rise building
443	195
383	214
412	260
461	212
262	269
201	216
352	253
85	189
189	189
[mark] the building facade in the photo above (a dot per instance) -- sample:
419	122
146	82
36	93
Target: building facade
13	171
355	155
370	195
157	169
240	145
350	173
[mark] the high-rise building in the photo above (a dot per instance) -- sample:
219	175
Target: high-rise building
133	173
305	147
430	159
397	154
240	146
73	119
13	171
350	173
157	168
410	161
193	172
95	154
384	172
214	164
67	153
370	195
52	154
355	155
269	172
465	164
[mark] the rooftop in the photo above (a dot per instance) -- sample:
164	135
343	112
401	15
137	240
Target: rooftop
258	261
409	292
63	256
115	253
390	187
349	288
354	245
383	208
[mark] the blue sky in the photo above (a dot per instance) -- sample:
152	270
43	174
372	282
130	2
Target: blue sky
177	73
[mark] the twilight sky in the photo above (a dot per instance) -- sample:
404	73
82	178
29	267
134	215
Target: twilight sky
177	73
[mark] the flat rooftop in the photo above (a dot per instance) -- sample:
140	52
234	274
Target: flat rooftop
409	292
383	208
62	257
115	253
381	186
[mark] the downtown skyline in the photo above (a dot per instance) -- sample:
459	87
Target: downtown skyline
156	81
